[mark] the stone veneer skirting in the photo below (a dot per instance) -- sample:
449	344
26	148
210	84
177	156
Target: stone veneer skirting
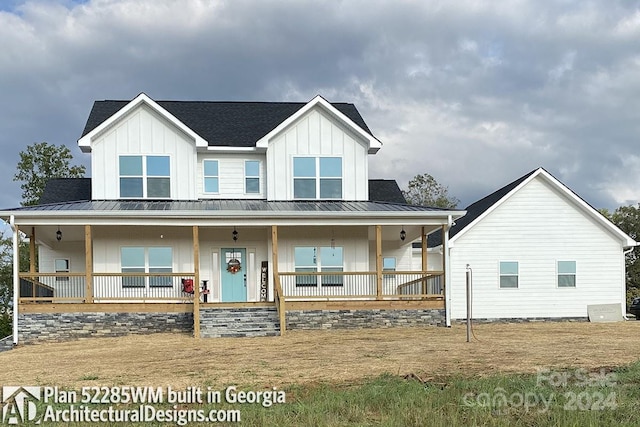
6	343
40	327
352	319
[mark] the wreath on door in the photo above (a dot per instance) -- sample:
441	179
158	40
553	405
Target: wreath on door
233	266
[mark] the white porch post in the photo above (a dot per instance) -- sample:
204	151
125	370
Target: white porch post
16	278
447	271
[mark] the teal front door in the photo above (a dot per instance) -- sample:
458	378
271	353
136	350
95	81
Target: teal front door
234	274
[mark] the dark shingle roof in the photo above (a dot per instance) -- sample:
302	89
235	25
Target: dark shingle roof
60	190
476	209
385	190
236	124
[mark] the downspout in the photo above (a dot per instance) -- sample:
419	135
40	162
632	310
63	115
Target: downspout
447	272
624	281
16	279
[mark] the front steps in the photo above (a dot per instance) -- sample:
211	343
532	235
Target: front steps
239	322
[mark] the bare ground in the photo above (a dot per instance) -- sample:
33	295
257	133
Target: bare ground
319	356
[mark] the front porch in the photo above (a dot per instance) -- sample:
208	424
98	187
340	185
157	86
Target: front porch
270	276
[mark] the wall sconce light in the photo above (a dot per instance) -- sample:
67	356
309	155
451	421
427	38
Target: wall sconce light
403	234
58	235
235	234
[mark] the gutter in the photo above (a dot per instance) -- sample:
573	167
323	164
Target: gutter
447	271
16	278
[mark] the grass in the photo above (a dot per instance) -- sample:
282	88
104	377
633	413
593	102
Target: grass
340	378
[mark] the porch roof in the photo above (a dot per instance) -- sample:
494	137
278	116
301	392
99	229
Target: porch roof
247	211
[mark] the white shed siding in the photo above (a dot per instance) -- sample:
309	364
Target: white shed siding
536	227
317	134
143	132
232	178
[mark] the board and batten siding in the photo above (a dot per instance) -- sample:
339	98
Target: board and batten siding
231	170
143	132
537	226
317	134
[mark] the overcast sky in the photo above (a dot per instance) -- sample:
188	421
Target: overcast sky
474	93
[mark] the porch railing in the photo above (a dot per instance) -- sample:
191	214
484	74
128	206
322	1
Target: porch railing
396	285
105	287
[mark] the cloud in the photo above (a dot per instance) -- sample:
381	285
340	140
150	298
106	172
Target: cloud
475	93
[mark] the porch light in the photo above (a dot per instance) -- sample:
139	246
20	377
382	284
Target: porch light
403	234
58	235
235	234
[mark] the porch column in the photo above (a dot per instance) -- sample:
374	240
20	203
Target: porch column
446	276
196	280
88	264
32	251
278	297
32	260
378	262
16	277
424	261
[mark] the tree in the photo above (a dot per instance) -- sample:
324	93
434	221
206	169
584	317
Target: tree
627	218
424	190
41	162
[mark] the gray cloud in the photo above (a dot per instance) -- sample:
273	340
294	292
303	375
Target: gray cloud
474	93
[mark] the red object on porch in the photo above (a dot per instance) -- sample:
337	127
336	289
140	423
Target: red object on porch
187	286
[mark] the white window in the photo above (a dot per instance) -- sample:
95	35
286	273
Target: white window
62	266
251	176
310	259
389	264
566	274
317	177
508	274
210	169
145	177
146	260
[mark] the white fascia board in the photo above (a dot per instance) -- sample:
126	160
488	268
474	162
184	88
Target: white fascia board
228	149
374	143
469	226
232	217
85	142
627	241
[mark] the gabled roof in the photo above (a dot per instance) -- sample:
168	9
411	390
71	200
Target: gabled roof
213	124
478	210
385	190
61	190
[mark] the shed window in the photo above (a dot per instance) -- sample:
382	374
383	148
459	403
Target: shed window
508	274
566	274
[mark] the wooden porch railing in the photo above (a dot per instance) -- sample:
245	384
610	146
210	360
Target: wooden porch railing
107	287
396	285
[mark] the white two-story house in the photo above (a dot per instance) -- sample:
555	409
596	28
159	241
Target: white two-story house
197	212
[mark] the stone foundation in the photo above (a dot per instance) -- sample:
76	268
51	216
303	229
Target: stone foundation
6	343
41	327
523	320
354	319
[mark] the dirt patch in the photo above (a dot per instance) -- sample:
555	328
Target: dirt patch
313	356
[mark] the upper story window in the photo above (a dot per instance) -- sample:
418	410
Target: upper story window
251	176
317	177
145	177
211	176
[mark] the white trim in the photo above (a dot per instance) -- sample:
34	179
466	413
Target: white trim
585	207
374	143
85	142
229	149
